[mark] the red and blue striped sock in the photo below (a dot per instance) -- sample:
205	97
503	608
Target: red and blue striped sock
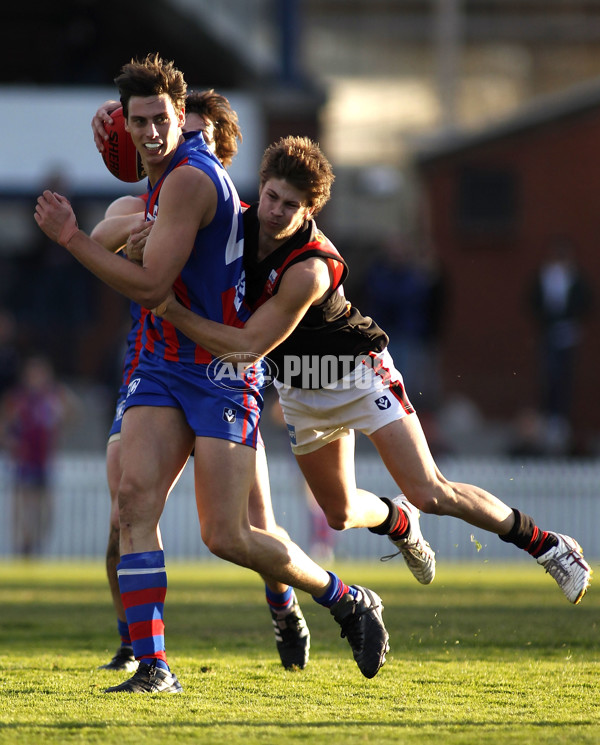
280	602
123	627
143	585
336	590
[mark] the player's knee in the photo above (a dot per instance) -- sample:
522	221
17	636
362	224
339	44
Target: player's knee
135	503
431	499
125	495
339	519
226	546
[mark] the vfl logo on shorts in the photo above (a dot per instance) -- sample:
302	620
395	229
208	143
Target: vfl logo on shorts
229	415
133	385
292	433
383	403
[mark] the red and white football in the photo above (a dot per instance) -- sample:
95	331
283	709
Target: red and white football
120	156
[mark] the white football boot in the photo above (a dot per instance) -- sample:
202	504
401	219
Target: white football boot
566	564
417	553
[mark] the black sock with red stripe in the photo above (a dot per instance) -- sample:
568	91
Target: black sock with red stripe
395	525
525	534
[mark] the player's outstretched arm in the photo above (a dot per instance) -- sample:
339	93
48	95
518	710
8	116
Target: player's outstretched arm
164	257
302	285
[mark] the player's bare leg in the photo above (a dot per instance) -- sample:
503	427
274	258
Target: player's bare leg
150	464
292	636
406	455
227	469
123	658
404	450
329	472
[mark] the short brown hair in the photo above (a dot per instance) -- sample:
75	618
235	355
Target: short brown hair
151	76
217	108
300	162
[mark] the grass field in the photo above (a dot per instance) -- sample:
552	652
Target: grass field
487	654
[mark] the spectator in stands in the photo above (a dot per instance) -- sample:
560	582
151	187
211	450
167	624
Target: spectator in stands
405	292
34	412
560	298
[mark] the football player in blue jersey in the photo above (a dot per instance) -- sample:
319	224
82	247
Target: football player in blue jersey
210	113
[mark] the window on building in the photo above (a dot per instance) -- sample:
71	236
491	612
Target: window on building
487	199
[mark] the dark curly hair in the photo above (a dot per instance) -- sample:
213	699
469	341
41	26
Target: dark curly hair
151	76
217	108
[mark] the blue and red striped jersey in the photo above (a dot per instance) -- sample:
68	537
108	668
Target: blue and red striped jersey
211	283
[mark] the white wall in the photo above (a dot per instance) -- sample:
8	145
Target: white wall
560	496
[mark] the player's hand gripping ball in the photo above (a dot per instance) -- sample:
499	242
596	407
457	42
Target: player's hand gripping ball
120	156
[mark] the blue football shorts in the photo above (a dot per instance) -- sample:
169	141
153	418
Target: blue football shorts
228	412
115	428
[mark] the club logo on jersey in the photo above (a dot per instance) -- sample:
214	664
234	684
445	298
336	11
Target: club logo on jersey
383	403
131	388
237	371
271	282
229	415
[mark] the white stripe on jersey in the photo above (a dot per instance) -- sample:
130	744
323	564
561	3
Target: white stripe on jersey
235	247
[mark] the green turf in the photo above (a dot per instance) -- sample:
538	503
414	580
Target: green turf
487	654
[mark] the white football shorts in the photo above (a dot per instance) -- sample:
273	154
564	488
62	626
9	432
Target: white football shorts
366	399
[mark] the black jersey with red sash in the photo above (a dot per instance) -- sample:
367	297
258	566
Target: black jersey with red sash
334	328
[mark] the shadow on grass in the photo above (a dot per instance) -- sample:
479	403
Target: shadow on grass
341	724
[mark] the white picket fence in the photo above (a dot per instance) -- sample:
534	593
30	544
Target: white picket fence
560	495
